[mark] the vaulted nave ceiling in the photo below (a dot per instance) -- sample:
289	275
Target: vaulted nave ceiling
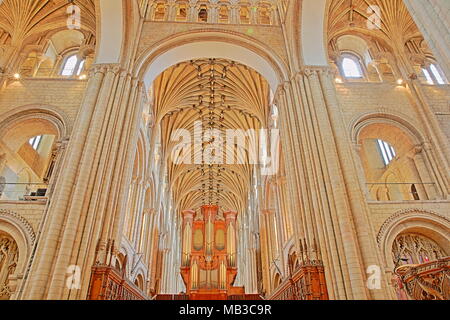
23	20
222	95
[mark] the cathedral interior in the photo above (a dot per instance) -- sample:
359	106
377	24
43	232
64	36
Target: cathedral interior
224	150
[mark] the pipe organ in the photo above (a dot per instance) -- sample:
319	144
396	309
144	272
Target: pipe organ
209	254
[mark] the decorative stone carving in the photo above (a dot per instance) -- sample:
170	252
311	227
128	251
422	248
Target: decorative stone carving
413	248
8	263
401	214
21	222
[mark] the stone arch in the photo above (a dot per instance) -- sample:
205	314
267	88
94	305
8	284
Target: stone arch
292	258
394	177
49	114
17	228
28	167
120	262
427	223
139	280
277	280
226	45
400	121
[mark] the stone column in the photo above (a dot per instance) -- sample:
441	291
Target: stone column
57	159
265	254
274	15
10	59
436	141
90	195
39	59
234	12
368	254
331	212
151	11
254	13
426	191
57	66
130	212
192	14
171	10
213	11
138	212
149	233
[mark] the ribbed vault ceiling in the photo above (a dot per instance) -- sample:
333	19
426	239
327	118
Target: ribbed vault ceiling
221	95
397	24
23	19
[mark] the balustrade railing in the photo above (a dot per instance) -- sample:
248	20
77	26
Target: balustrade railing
24	191
400	191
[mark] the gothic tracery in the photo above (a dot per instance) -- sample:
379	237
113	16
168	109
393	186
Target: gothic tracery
8	263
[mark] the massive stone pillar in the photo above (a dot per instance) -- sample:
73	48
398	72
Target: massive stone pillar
84	219
433	19
331	217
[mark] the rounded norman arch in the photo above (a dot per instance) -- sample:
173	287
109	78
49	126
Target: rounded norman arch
401	122
139	281
50	119
276	281
211	44
22	232
427	223
112	30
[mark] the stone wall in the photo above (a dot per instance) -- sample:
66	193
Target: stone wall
31	211
64	95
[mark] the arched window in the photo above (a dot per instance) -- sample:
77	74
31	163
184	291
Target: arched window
433	75
35	141
351	67
72	66
437	74
387	151
427	76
